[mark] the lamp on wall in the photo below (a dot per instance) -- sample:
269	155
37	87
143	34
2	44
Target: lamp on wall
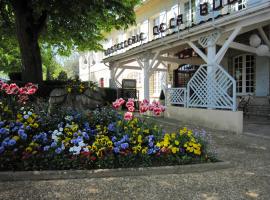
262	50
254	40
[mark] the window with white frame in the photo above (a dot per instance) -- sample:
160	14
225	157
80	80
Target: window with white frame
239	5
145	29
157	77
244	73
189	12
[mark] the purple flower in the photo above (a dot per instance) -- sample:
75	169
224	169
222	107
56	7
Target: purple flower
3	131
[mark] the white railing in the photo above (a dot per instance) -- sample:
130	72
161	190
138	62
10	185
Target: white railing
211	87
176	96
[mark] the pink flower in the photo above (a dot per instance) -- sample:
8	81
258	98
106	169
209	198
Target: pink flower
131	109
4	86
31	91
143	108
116	104
151	107
23	90
121	101
12	89
145	101
130	104
128	116
157	111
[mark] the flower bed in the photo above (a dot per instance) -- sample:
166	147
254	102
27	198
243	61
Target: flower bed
33	140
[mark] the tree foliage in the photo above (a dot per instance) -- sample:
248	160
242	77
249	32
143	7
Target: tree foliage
64	25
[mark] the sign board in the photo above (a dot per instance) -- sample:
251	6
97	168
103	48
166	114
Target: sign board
129	83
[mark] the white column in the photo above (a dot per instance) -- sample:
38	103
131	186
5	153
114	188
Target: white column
146	78
112	75
211	53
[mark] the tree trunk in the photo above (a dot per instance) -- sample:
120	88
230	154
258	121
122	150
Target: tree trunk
27	34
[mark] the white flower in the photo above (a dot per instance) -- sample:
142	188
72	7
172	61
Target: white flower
81	144
54	137
29	113
75	150
61	129
85	149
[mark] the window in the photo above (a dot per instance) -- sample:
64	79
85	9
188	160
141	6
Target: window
190	12
240	5
145	30
244	73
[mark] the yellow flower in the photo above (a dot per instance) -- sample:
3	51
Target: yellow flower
158	145
30	120
19	116
146	131
174	150
69	89
69	133
176	142
173	135
197	152
35	125
139	138
144	151
16	138
29	149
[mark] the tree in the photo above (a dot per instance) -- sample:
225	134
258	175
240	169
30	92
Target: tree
67	24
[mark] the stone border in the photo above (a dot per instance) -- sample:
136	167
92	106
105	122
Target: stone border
103	173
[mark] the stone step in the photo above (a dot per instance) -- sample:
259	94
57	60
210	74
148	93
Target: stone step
259	110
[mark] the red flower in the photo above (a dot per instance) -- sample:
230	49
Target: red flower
93	158
31	91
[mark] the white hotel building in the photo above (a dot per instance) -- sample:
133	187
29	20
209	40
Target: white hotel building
204	53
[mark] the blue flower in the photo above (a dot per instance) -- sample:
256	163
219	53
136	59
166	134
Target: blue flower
46	148
26	116
116	150
124	145
150	151
11	142
2	149
151	144
53	144
58	150
85	135
114	138
3	131
2	123
111	127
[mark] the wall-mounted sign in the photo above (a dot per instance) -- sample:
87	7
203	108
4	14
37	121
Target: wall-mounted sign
163	27
129	83
130	41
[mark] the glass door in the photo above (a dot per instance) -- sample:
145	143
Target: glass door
244	74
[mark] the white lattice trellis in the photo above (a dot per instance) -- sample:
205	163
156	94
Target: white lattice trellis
176	96
211	87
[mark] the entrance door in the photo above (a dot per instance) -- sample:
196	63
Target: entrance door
244	73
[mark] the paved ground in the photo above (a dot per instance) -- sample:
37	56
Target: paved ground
249	178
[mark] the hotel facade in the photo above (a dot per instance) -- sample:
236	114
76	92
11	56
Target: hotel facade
205	55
